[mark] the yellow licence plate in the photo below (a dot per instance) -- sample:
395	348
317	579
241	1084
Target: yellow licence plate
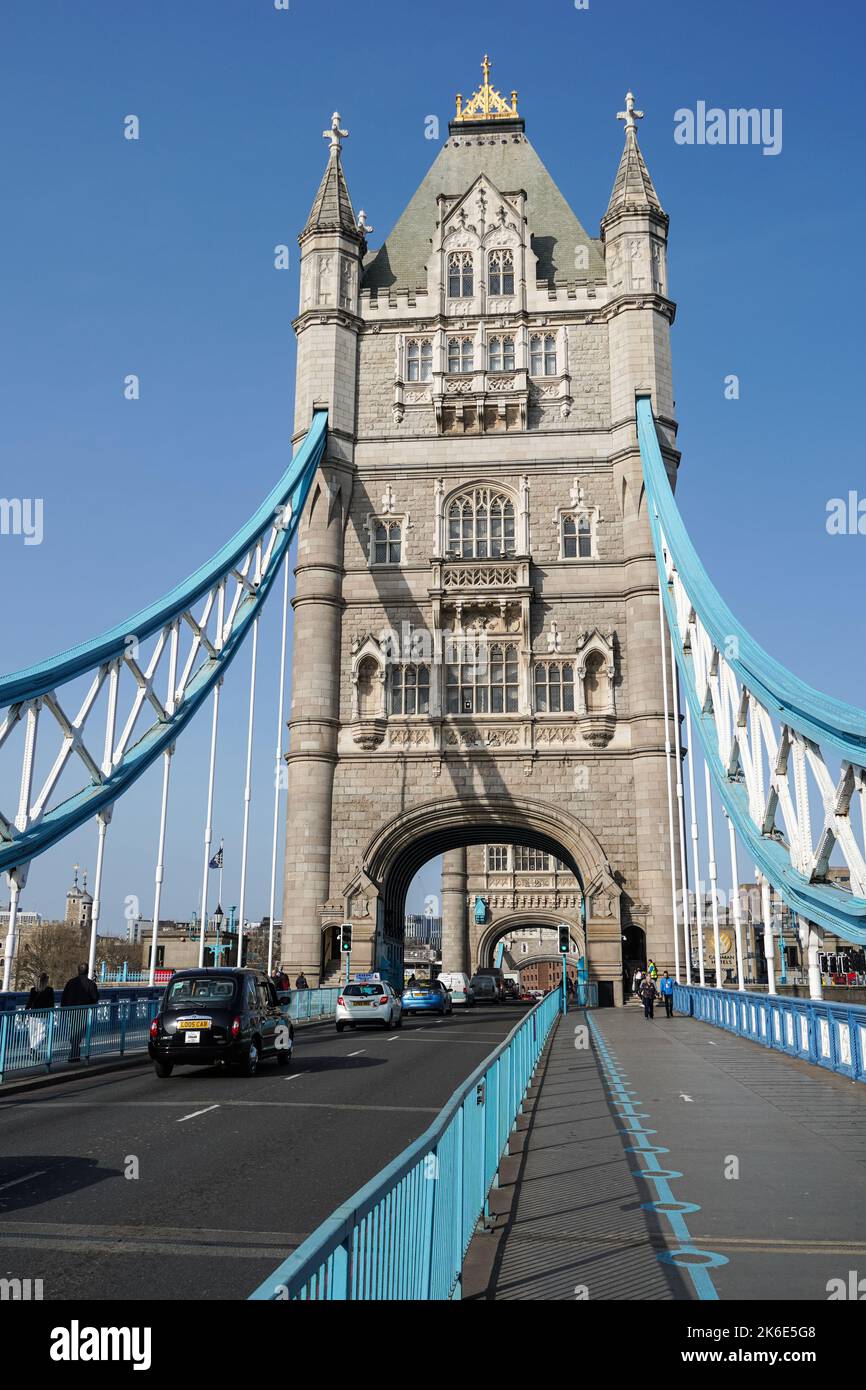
194	1023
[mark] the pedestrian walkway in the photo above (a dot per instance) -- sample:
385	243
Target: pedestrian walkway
667	1159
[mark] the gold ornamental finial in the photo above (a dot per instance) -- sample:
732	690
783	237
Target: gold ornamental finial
486	104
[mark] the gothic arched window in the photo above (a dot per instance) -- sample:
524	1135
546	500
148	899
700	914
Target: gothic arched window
480	525
410	689
500	272
460	278
554	687
482	678
460	355
419	359
500	354
387	542
576	536
542	354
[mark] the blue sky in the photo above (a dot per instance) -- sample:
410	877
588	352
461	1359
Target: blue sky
156	257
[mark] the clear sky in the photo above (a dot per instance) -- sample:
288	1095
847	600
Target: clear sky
155	257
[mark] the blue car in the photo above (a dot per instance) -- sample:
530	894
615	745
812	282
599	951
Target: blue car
426	996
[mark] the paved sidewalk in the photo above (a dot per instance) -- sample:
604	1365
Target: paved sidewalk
670	1160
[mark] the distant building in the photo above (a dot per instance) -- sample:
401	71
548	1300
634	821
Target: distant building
79	903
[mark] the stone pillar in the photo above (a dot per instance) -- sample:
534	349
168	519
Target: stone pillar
313	729
640	359
455	927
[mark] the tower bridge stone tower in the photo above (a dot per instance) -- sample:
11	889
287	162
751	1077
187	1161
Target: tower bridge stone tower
476	645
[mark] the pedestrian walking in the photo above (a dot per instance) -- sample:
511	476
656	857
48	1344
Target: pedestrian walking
41	995
301	981
666	989
648	994
653	970
79	993
637	981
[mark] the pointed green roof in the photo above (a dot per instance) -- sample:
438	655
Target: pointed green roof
509	161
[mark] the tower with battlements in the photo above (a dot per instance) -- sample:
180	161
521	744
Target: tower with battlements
476	645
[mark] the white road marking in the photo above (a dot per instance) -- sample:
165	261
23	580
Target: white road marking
15	1181
358	1053
686	1098
294	1076
395	1038
197	1112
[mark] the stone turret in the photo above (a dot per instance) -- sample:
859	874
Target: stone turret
332	246
634	232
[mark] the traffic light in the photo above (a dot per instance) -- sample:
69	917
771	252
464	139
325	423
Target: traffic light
346	937
564	943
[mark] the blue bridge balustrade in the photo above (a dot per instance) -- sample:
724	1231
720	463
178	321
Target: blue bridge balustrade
405	1235
830	1035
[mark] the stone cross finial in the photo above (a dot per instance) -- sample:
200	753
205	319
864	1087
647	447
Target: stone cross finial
335	134
576	495
630	115
388	499
554	637
363	225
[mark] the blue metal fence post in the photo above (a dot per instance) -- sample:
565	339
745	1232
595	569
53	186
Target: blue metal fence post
122	1009
49	1038
91	1010
4	1032
428	1217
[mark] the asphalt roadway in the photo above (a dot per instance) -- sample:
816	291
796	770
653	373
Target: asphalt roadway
672	1160
198	1186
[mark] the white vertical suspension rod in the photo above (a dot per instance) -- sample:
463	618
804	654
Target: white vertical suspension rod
735	902
664	656
713	868
769	950
696	858
247	794
681	814
163	813
102	820
18	876
208	829
15	878
278	763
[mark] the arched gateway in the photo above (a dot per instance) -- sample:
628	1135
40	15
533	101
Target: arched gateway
476	646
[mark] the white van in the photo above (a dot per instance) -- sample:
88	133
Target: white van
457	985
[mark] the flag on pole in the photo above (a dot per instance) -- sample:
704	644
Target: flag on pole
217	861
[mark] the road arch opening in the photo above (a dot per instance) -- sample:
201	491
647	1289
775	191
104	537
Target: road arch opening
505	861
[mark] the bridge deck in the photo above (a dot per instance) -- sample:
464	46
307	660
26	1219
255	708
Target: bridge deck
572	1213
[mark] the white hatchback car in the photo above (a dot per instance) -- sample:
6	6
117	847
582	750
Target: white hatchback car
368	1001
457	985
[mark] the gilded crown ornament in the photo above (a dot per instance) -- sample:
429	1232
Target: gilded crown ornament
486	104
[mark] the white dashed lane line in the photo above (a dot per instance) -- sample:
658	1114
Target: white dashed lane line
195	1113
358	1053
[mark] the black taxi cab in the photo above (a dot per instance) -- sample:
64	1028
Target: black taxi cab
220	1014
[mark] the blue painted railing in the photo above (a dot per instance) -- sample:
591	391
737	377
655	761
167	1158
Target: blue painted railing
37	1039
827	1034
34	1040
307	1004
17	998
405	1235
